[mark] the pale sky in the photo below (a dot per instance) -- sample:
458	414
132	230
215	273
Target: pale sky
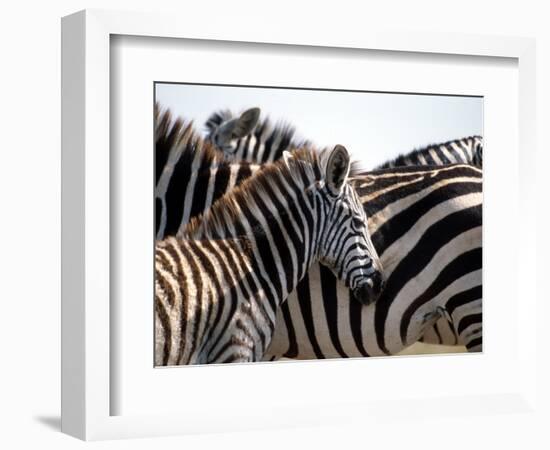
374	127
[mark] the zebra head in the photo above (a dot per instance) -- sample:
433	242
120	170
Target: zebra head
345	245
224	130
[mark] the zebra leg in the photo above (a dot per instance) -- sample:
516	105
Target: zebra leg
467	320
470	331
441	333
240	352
431	318
467	333
416	328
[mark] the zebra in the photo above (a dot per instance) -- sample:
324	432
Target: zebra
218	284
317	292
425	223
467	150
246	138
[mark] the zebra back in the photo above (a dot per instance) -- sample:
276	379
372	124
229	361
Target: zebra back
466	150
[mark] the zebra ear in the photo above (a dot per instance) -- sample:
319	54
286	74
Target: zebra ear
225	132
337	169
245	123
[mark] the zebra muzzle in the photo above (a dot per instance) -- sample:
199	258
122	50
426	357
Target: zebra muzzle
367	293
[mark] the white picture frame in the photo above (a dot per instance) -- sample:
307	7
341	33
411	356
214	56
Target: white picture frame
86	176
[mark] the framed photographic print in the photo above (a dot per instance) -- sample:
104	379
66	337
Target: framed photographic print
255	225
412	199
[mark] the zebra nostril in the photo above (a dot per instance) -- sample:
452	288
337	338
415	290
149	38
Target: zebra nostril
363	294
369	291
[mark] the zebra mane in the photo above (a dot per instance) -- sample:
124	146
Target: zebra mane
303	169
281	129
400	160
177	135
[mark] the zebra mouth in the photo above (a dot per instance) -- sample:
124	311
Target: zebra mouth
367	293
364	294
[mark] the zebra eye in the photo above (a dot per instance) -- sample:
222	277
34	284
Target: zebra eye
356	224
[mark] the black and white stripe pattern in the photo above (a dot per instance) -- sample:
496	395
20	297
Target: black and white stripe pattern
468	150
190	176
425	223
218	285
246	138
325	332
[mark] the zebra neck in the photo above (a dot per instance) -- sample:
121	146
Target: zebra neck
280	261
279	226
260	266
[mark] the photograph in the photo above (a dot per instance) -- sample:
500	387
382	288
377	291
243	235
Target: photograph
308	224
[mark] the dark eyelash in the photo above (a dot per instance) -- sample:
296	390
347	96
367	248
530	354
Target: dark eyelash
356	223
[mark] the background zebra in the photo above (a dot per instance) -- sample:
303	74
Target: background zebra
425	223
329	322
240	139
218	286
245	138
468	150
